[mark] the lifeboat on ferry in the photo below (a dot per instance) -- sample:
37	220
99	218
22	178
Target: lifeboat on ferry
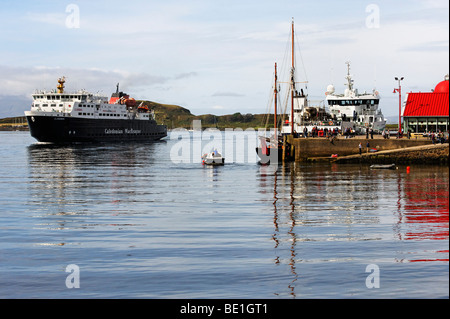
143	108
130	102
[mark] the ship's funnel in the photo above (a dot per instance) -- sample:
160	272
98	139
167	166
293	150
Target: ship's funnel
60	86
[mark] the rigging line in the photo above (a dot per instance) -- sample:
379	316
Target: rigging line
268	106
301	59
280	118
286	102
284	71
267	116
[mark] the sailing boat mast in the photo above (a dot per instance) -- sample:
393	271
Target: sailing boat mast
292	81
275	113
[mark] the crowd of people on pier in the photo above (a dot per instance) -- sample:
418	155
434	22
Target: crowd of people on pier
333	133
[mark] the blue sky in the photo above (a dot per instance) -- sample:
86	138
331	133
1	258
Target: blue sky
217	56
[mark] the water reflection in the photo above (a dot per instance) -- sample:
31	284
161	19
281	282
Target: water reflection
424	208
332	203
212	174
70	184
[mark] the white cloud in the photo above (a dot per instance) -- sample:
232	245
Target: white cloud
228	94
198	53
24	80
52	18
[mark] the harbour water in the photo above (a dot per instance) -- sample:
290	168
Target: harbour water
137	224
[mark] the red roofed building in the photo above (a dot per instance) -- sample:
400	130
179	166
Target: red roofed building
428	111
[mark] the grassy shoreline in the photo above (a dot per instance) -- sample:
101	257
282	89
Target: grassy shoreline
175	116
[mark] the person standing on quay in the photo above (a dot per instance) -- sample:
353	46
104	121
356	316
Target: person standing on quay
360	149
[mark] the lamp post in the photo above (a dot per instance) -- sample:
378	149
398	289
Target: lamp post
399	90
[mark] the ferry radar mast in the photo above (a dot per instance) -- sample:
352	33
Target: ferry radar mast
349	77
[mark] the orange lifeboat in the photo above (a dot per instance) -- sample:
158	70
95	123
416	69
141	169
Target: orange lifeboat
143	108
130	102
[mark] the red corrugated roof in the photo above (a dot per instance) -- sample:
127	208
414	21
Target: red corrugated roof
427	104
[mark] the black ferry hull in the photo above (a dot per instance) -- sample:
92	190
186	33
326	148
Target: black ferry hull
59	129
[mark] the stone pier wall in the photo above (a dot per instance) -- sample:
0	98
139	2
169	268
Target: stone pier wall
306	148
434	154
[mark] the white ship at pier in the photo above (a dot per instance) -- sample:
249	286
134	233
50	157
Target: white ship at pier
360	109
351	109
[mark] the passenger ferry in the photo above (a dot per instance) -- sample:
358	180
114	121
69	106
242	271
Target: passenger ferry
62	117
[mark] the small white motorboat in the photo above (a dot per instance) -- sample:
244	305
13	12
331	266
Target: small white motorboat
213	158
388	166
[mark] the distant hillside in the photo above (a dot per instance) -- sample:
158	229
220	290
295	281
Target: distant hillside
175	116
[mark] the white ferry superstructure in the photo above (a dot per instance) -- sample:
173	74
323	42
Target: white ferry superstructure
359	109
